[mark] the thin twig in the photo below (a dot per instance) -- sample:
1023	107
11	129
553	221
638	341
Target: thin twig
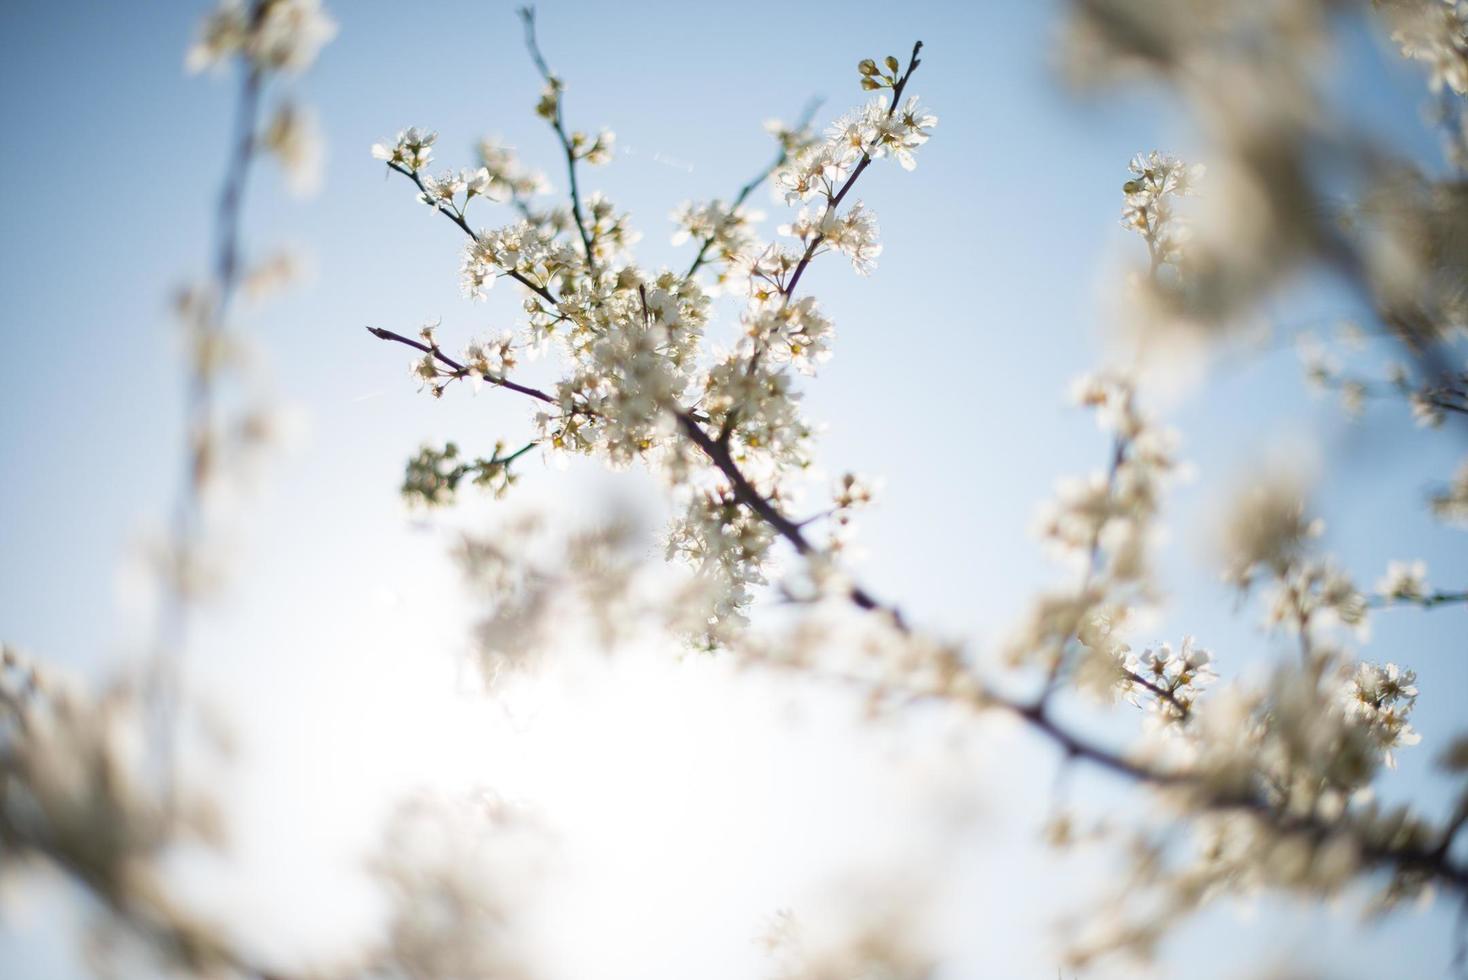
588	238
1428	601
749	188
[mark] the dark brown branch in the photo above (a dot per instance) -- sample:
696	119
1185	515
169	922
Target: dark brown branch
1433	862
458	368
745	492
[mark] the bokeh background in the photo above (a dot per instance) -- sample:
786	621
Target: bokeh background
707	805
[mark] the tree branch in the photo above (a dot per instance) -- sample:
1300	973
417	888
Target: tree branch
458	368
1434	862
866	161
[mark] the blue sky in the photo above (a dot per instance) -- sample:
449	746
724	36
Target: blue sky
949	380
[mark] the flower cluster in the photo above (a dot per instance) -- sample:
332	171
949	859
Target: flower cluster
509	180
75	792
413	150
446	865
541	585
797	333
275	35
793	140
1168	682
1430	402
1451	505
1434	32
595	150
728	230
523	250
638	384
489	358
726	546
611	233
873	131
878	939
1102	523
1276	792
851	494
853	233
1156	179
294	137
434	475
442	191
880	129
1404	580
1379	698
1267	527
1314	593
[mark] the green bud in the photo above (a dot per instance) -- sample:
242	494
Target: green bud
867	67
892	64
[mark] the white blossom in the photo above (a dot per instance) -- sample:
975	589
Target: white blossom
285	35
412	151
1435	32
295	138
1404	580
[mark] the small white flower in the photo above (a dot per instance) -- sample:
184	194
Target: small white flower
1404	580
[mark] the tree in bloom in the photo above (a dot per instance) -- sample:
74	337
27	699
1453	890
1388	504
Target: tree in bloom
1269	781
